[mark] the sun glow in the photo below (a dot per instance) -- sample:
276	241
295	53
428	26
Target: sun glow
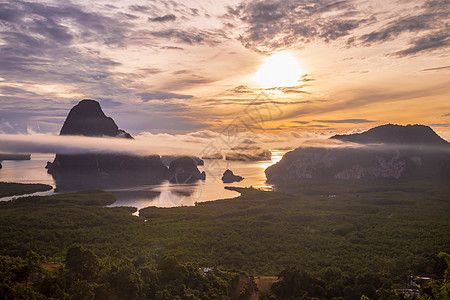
278	70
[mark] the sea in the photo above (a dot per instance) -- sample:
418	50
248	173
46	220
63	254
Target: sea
161	194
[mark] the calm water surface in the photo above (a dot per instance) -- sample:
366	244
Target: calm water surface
164	194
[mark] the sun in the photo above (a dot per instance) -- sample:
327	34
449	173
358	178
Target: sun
280	69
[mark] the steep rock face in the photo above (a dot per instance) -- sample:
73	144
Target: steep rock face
184	170
407	156
88	119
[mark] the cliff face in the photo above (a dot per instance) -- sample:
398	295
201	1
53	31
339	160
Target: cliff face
414	153
88	119
100	169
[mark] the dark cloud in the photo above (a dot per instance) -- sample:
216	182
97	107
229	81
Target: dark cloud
194	11
38	39
59	22
242	89
289	89
190	36
171	48
165	18
180	72
318	126
346	121
129	16
194	81
235	11
395	28
157	95
139	8
293	91
111	6
8	13
40	44
275	25
445	115
429	20
436	68
11	90
59	45
151	70
433	41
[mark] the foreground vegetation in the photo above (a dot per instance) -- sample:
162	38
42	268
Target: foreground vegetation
85	276
347	241
8	189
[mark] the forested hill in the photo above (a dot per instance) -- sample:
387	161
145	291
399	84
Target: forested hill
385	152
396	134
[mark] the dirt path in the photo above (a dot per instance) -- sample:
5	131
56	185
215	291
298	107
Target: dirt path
263	283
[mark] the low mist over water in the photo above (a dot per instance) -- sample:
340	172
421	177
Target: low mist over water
163	194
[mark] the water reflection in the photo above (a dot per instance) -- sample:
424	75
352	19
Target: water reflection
141	191
27	171
76	181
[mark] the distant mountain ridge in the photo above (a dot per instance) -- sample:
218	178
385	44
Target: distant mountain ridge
395	134
388	151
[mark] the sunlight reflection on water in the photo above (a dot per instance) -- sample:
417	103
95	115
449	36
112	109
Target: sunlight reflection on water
165	194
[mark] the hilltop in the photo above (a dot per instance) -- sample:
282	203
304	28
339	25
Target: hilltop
387	151
395	134
88	119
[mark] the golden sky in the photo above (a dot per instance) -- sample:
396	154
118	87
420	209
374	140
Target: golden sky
185	66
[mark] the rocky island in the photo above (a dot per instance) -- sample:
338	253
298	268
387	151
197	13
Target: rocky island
184	170
388	151
88	119
230	177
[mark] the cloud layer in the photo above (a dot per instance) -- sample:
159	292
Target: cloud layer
178	66
198	143
275	25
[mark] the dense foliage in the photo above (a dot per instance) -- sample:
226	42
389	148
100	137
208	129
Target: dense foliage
345	240
331	284
11	189
84	276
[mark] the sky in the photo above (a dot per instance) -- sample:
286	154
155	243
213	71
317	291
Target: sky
187	67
